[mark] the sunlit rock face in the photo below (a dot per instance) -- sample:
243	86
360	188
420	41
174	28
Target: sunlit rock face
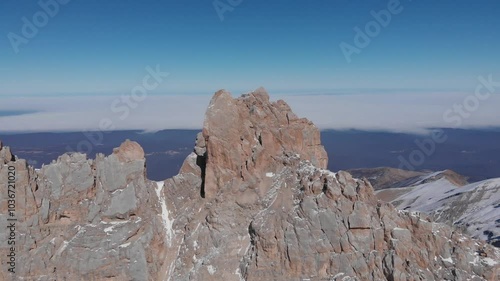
254	201
244	136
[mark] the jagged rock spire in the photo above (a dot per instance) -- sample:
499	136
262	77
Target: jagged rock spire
5	154
242	136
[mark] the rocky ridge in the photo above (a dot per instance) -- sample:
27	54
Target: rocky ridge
386	177
252	202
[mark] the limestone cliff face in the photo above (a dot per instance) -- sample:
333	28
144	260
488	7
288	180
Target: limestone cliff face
252	202
242	137
82	219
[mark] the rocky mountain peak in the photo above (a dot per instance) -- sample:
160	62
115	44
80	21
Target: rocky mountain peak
5	154
242	138
252	202
129	151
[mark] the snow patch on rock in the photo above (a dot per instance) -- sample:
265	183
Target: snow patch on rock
167	222
211	269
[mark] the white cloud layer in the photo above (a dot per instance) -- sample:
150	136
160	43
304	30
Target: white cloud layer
391	112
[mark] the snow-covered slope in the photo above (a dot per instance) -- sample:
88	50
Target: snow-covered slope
475	208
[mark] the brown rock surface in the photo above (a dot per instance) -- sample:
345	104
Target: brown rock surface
252	202
242	137
129	151
5	154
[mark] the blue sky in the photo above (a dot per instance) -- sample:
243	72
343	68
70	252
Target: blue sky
415	73
97	47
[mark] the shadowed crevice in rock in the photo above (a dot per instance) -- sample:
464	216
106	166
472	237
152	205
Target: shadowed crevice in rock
201	161
200	150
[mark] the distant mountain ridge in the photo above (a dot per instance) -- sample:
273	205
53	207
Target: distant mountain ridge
444	195
386	177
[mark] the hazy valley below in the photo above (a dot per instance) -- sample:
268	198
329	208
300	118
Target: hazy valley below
473	153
